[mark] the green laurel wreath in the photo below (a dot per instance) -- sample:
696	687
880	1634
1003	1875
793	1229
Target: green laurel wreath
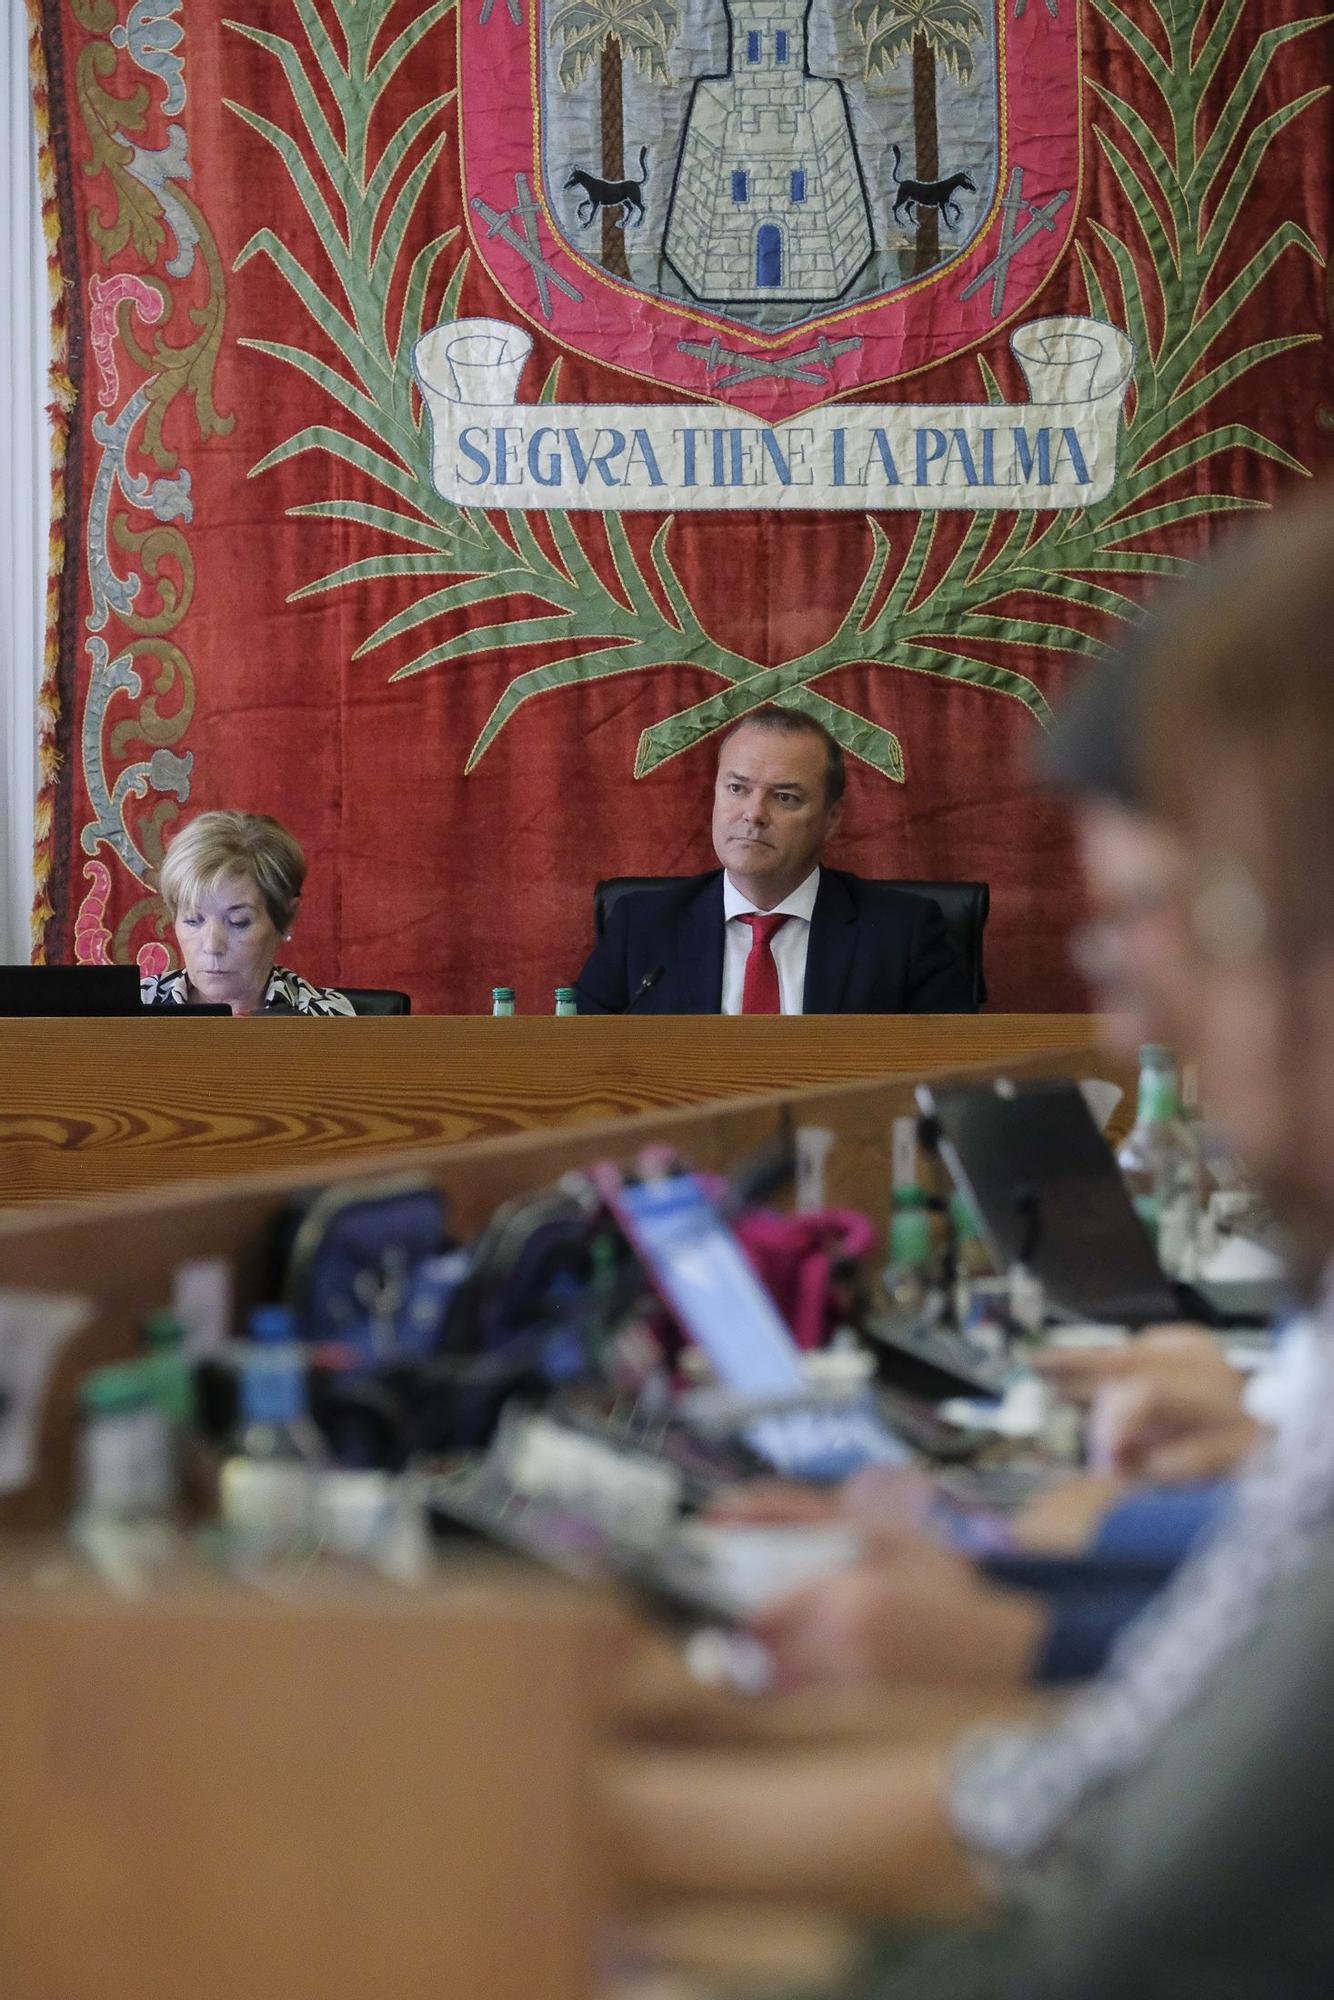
927	609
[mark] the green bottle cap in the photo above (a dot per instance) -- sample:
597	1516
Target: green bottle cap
1158	1099
910	1236
116	1390
502	992
565	993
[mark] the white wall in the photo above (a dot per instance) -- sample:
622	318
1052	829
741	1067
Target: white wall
24	477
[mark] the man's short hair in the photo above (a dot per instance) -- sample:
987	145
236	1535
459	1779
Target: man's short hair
1242	671
791	722
1096	747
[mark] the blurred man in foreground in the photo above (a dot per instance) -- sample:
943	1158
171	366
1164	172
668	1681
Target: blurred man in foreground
1163	1834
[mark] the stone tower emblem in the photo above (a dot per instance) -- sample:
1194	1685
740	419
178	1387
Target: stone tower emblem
769	200
766	204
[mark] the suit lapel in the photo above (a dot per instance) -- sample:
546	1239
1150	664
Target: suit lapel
833	941
696	985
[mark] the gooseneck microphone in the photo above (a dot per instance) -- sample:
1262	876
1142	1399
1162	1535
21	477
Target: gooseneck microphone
642	991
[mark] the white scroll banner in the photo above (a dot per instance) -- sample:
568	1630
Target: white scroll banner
1057	450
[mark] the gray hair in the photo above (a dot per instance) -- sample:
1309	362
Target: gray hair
218	844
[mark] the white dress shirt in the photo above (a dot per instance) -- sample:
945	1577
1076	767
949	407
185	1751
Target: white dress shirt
788	945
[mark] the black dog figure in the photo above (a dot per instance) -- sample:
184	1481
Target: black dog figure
597	195
930	194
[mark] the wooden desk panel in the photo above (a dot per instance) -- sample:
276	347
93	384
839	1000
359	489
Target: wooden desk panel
333	1790
104	1106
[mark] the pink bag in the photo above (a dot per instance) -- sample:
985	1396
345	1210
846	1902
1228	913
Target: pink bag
809	1265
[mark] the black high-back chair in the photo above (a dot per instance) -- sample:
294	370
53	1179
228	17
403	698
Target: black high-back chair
963	905
378	999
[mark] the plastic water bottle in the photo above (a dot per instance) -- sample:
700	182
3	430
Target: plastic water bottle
126	1468
502	1000
273	1325
566	1003
910	1245
910	1230
127	1481
1160	1163
269	1485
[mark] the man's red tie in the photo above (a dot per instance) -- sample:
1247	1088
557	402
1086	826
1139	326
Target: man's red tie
760	993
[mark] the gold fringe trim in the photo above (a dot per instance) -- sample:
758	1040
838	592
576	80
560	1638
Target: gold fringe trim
64	397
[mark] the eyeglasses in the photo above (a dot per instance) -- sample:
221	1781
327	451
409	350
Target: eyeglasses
1098	949
1228	916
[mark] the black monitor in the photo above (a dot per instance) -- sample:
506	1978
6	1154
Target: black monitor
1048	1193
69	989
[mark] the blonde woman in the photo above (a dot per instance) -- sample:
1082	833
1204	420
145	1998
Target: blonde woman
232	886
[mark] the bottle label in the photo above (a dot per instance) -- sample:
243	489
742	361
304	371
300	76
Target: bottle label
904	1153
126	1467
267	1508
1176	1236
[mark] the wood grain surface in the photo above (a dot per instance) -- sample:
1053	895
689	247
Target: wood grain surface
122	1251
103	1106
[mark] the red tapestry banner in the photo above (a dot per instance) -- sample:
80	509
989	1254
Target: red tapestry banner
470	409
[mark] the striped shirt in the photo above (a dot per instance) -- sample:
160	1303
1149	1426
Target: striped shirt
1024	1797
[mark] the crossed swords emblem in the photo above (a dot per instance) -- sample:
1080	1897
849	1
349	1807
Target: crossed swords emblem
1013	238
729	364
525	240
814	364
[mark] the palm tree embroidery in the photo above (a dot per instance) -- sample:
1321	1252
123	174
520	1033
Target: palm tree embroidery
609	30
936	32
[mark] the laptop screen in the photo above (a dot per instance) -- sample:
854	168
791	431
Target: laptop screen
69	989
701	1271
1048	1193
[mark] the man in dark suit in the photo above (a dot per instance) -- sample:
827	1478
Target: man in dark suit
773	931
